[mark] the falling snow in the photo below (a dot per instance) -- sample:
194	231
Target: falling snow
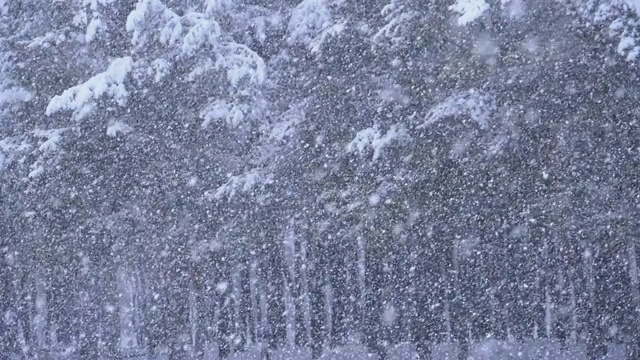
319	179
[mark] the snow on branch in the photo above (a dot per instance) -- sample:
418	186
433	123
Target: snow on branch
244	183
149	15
81	98
52	139
469	10
185	36
396	17
118	126
189	32
96	24
14	95
374	138
287	123
9	148
241	63
233	114
311	23
203	31
477	106
44	41
212	6
623	20
625	24
45	152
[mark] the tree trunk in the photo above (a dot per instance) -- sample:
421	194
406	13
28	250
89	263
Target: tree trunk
633	347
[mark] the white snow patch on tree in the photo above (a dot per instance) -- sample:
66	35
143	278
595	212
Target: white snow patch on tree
233	114
204	31
159	69
622	19
396	17
628	46
14	95
466	247
477	106
288	123
212	6
311	23
52	139
241	63
44	41
92	29
316	44
515	8
36	171
243	183
147	17
469	10
202	248
81	98
634	4
200	69
393	93
372	137
118	127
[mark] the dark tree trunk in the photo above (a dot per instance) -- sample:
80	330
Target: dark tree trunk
337	270
373	327
9	323
317	268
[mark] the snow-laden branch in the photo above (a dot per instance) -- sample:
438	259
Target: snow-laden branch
148	16
287	123
204	31
373	138
183	37
117	127
397	16
52	139
469	10
9	148
476	105
243	183
81	98
622	17
311	23
241	63
233	114
14	95
188	33
625	24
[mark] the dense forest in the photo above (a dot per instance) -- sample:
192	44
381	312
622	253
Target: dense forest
198	179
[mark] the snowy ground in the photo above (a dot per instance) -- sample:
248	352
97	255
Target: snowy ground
488	350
